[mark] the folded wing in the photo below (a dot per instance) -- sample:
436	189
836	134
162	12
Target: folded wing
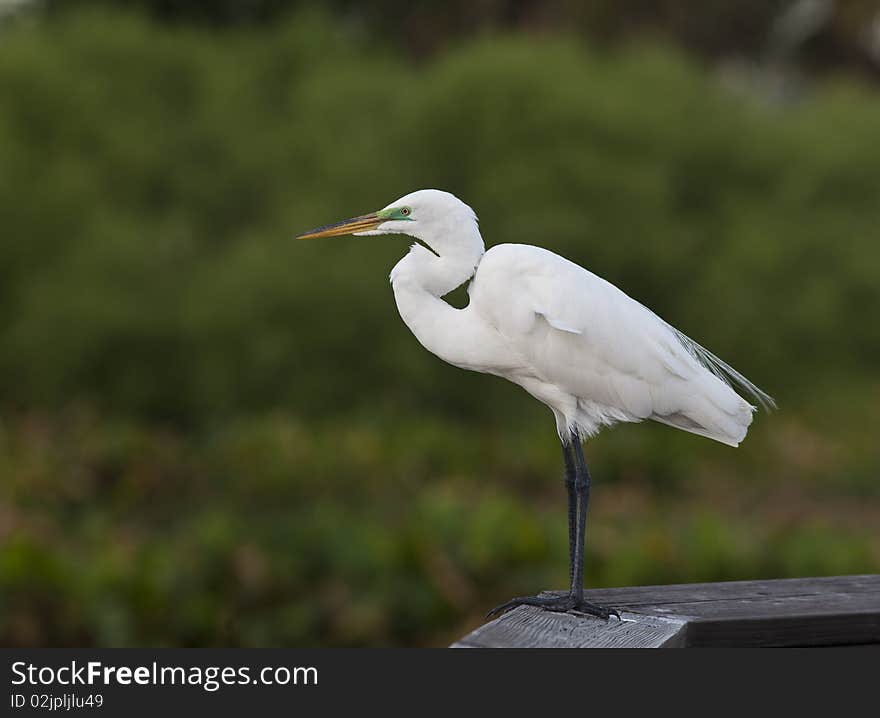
582	334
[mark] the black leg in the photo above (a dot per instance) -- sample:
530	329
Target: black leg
582	492
578	502
570	479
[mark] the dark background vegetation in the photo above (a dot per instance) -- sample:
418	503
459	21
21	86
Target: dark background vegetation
213	435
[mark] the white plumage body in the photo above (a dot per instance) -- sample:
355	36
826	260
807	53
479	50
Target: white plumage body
594	355
572	340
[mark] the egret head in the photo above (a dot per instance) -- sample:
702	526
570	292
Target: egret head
435	217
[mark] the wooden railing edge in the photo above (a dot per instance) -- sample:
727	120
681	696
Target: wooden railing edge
823	611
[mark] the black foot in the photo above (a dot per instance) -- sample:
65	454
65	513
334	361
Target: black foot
563	603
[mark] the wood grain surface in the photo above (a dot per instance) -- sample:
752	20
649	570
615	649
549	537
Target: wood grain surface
837	610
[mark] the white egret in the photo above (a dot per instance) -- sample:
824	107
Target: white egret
572	340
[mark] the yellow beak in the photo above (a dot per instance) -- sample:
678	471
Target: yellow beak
346	226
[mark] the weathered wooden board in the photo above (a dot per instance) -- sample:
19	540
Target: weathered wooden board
530	627
838	610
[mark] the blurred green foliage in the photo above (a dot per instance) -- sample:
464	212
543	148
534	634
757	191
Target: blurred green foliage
212	434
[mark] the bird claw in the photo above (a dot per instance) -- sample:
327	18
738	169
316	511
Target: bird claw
566	603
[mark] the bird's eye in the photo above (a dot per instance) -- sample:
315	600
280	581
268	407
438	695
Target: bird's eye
405	211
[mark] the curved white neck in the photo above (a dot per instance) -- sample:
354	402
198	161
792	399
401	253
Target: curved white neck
421	278
451	261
